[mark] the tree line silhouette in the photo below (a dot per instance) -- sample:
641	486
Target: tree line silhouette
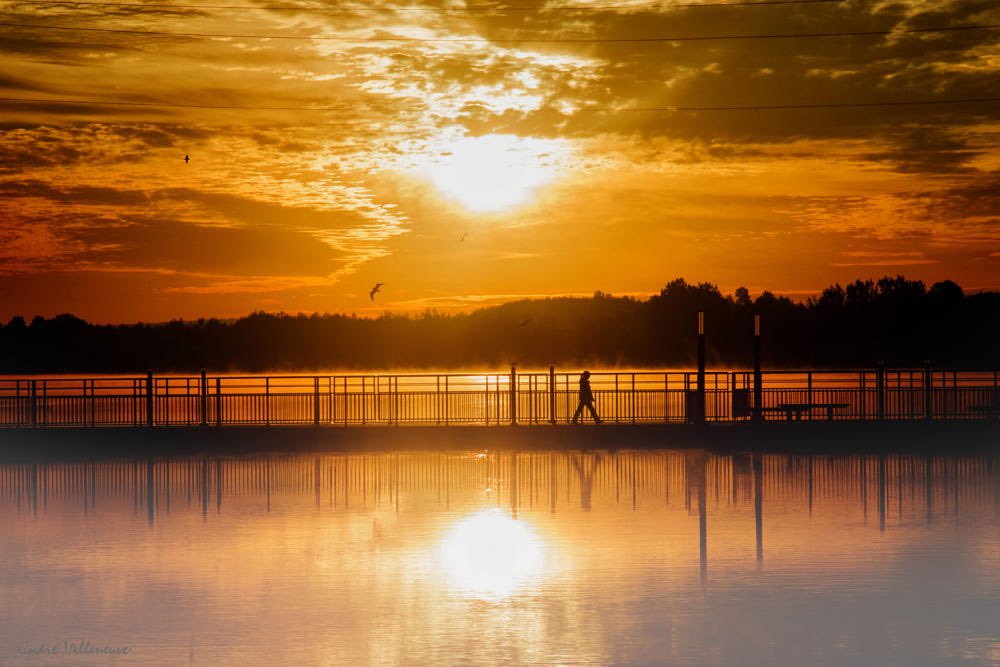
893	320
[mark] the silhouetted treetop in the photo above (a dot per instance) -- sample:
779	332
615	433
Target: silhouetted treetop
891	319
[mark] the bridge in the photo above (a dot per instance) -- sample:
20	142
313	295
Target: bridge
493	399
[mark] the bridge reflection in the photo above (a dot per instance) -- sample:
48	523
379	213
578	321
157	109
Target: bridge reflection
907	489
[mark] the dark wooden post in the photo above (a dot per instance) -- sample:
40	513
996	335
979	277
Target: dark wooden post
552	394
149	398
928	391
218	401
700	417
758	389
204	397
513	394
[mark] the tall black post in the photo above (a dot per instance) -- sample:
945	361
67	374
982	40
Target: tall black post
700	417
149	398
758	389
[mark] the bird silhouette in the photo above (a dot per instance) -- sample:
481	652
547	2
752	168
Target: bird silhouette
464	234
187	158
524	322
375	290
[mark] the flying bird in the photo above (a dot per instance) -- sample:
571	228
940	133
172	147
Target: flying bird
187	158
464	234
375	290
524	322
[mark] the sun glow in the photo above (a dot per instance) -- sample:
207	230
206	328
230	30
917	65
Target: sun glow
495	172
490	555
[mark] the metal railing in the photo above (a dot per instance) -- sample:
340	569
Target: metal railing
497	398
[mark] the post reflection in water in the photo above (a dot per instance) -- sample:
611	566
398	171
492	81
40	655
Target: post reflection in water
487	557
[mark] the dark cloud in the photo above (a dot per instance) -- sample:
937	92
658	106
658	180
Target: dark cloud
926	150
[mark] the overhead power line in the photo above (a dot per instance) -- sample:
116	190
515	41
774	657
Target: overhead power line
755	107
443	10
513	40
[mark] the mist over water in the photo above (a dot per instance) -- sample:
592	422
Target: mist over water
598	557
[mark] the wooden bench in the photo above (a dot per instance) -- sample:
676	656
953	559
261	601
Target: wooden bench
794	411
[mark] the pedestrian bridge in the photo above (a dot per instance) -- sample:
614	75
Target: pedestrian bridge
489	398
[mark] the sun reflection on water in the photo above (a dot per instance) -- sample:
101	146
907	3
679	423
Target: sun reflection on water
490	555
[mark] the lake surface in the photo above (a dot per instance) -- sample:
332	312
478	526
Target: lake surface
481	558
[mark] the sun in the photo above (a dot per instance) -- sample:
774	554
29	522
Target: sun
490	555
494	172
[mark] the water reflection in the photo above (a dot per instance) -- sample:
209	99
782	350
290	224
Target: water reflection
621	556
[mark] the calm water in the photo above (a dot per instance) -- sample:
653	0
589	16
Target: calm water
645	557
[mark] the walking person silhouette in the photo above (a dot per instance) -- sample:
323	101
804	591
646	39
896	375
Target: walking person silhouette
586	399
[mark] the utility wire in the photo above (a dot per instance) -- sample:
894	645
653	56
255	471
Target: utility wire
521	40
756	107
497	9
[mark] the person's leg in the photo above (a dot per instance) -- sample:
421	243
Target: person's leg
593	412
579	411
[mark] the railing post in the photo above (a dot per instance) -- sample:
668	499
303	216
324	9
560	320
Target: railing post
732	395
666	397
928	391
316	401
204	397
93	404
862	383
880	388
267	401
758	389
149	398
700	417
218	401
552	395
513	394
34	403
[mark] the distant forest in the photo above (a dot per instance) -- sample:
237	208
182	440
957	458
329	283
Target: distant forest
895	320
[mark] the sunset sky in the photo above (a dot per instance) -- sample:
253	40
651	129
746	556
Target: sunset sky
471	153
